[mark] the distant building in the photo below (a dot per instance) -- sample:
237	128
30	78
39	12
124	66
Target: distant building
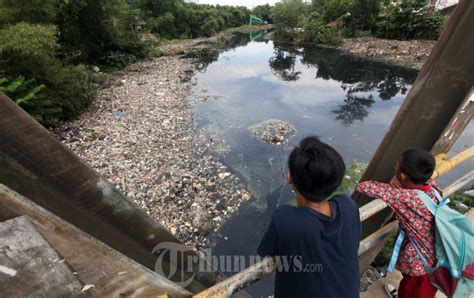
192	1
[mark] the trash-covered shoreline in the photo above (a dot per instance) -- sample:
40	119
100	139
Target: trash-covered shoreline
141	135
407	53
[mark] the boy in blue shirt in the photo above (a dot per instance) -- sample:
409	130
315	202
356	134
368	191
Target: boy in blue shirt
316	243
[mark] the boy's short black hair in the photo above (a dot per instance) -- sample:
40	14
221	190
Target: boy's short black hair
316	168
418	165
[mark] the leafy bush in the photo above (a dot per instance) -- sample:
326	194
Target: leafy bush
32	99
264	12
317	31
117	59
363	15
177	19
31	11
163	25
30	51
91	31
287	13
32	40
410	19
334	9
461	198
72	90
210	27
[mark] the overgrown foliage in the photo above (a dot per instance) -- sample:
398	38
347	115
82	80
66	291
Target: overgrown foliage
286	15
31	11
326	21
45	44
176	19
31	98
410	19
264	12
316	31
289	15
30	51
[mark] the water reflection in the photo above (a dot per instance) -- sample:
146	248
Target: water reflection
354	108
207	55
283	64
358	77
311	88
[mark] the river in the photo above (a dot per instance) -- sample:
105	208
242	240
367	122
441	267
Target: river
348	102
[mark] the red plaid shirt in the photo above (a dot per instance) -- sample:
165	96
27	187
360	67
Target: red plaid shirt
415	218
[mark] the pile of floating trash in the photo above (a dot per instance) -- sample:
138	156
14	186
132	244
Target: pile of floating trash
273	131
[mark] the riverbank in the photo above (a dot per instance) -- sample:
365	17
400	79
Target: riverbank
187	46
408	53
140	134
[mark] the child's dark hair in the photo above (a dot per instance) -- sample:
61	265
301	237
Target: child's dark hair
316	169
418	165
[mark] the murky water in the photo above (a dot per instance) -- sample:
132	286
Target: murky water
348	102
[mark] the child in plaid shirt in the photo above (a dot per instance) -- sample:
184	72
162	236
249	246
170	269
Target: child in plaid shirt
413	171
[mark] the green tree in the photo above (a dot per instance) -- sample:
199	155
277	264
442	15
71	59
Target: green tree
164	25
317	31
84	33
410	19
334	9
31	98
287	13
264	12
363	15
30	11
30	51
95	31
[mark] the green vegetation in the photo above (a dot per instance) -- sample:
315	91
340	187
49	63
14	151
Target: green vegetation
49	46
46	45
384	256
316	31
176	19
264	12
33	76
461	198
286	15
327	21
412	19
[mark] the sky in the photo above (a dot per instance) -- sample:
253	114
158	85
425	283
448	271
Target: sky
248	3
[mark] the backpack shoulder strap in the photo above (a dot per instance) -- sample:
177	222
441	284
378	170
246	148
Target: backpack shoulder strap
428	201
396	250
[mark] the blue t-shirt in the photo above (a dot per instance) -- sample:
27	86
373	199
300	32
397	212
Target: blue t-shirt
317	254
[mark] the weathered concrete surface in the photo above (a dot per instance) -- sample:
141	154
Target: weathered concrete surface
29	266
110	273
35	164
